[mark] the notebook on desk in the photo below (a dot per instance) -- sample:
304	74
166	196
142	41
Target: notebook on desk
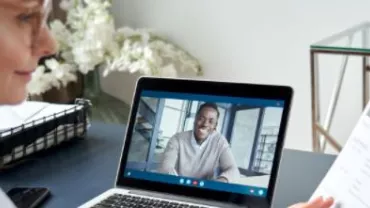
200	144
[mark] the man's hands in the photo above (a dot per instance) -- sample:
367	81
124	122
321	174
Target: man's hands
317	203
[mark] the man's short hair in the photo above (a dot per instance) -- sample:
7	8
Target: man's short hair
208	105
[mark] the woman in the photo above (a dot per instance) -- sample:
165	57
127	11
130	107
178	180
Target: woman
24	39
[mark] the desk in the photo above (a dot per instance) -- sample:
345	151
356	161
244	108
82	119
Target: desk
79	171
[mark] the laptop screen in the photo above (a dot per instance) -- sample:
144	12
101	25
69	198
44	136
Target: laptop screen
205	141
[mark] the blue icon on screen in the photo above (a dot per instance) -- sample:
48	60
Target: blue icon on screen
182	181
201	183
260	192
188	181
129	173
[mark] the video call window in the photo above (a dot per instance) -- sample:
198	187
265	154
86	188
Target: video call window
250	131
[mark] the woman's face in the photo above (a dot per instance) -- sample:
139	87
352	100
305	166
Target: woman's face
24	39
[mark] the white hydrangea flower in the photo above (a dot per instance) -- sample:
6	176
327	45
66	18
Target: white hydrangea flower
66	73
142	51
37	86
52	64
58	75
168	71
61	35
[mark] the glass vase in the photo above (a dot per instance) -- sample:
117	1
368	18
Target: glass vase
92	88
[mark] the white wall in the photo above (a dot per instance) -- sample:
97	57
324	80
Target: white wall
256	41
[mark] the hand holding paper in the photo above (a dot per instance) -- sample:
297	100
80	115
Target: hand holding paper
348	179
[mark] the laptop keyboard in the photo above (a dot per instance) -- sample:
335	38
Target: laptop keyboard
128	201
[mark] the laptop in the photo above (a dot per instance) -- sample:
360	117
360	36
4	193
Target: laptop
198	143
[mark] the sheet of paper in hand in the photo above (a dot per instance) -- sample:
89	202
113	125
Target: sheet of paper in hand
5	202
348	179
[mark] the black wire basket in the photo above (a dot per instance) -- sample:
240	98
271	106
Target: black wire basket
21	142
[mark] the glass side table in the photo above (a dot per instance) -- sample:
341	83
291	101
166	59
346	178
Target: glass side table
338	44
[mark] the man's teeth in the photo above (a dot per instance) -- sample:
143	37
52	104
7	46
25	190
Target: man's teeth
203	130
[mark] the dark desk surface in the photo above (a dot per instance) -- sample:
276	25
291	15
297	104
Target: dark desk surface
77	172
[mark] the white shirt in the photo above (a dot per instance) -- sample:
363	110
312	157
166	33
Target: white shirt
184	157
195	144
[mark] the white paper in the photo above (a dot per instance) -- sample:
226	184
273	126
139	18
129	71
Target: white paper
9	118
57	109
5	202
348	179
28	109
15	116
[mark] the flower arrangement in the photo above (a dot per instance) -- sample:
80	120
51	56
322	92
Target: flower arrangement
88	40
143	51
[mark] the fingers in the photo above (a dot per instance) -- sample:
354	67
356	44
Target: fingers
328	203
316	203
299	205
320	203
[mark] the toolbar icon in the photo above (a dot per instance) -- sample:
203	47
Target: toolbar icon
201	183
260	192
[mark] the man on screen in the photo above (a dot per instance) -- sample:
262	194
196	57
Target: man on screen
202	152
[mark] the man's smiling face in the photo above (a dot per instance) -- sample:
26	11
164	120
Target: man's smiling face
205	123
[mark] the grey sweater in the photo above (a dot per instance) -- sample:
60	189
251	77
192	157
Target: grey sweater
209	162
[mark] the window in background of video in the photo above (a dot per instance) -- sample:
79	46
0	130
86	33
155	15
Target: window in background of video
243	135
143	132
172	118
266	146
